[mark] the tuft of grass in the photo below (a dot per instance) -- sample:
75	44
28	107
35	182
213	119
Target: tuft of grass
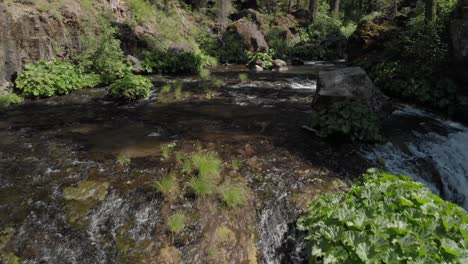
177	89
204	74
167	149
167	185
123	159
218	83
235	164
176	223
202	187
234	195
243	77
208	165
187	166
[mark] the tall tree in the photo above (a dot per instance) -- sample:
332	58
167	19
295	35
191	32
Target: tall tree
335	7
313	7
431	11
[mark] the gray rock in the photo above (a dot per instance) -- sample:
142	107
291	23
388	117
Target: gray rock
181	48
250	35
349	83
279	64
256	68
135	62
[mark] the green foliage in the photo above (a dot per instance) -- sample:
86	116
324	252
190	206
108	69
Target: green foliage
232	49
385	218
352	118
131	87
166	149
278	41
167	185
204	74
262	59
170	62
123	159
48	78
208	165
234	195
171	92
10	99
202	187
243	77
102	55
141	10
176	223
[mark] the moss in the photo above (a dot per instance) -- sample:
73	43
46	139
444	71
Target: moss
6	256
81	199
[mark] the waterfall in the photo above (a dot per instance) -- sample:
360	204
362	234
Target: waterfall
436	156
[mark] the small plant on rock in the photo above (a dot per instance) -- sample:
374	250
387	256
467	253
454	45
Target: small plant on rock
243	77
234	194
261	59
123	159
208	165
202	187
10	99
176	223
167	185
131	87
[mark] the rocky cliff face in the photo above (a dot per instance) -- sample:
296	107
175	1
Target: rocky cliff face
43	31
29	35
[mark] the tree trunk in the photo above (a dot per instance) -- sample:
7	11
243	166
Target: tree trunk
289	6
313	7
431	12
335	7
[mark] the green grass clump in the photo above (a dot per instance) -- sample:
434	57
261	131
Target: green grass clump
385	218
204	74
123	159
176	223
208	165
202	187
243	77
167	185
234	195
166	150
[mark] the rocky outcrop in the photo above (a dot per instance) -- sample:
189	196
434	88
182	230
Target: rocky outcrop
349	83
250	35
368	38
28	35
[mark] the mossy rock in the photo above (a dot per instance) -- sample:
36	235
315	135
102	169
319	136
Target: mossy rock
6	256
81	199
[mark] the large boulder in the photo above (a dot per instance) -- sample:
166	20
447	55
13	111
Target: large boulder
349	83
369	37
250	35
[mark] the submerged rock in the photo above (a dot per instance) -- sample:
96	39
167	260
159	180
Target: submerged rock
81	199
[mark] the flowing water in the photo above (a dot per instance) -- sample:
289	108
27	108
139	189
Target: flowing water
77	171
431	150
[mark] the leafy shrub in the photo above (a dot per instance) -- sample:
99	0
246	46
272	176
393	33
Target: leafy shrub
141	10
102	55
234	195
10	99
385	218
169	62
262	59
176	223
278	41
232	49
352	118
131	87
48	78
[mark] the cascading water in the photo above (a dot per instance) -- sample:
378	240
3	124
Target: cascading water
435	153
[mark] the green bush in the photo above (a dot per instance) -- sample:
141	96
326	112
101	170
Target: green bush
208	165
102	55
10	99
48	78
232	49
352	118
169	62
385	218
131	87
262	59
176	223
